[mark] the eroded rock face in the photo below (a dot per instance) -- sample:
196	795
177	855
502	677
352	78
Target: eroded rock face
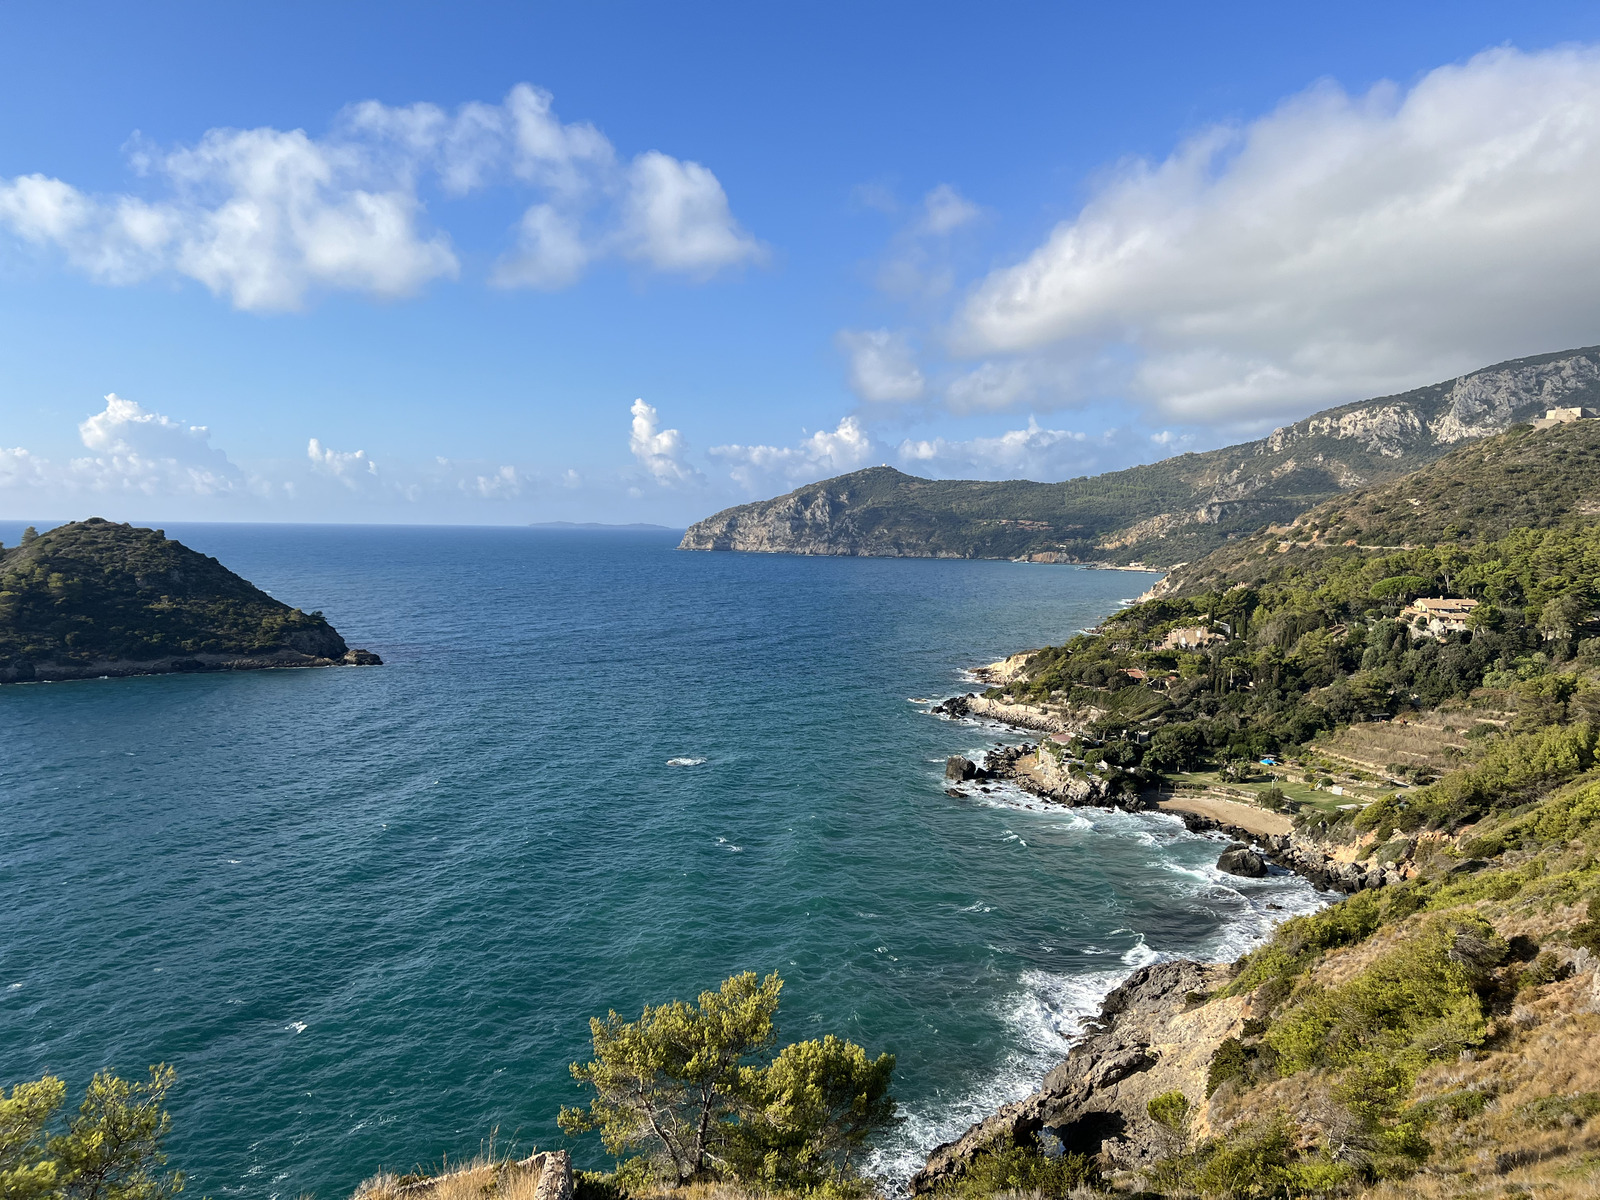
1150	1038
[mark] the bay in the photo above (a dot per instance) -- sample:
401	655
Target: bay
367	912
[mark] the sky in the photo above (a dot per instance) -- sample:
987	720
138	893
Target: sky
510	263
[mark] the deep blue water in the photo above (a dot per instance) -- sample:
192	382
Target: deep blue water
367	912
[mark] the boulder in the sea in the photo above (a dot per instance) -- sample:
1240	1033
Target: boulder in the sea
361	658
959	767
1239	859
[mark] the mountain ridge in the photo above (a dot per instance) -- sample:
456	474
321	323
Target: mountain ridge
1161	513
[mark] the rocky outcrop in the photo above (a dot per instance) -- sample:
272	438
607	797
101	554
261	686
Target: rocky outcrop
1021	716
1239	859
1152	1037
1051	777
960	769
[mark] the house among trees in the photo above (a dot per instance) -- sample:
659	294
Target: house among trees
1191	637
1564	416
1439	615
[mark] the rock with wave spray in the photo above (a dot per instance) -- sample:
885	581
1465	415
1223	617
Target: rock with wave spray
1153	1036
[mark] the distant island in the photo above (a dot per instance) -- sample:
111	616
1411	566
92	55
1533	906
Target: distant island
1164	513
635	527
93	598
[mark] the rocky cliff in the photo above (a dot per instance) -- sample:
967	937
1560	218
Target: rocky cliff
1152	1037
1166	512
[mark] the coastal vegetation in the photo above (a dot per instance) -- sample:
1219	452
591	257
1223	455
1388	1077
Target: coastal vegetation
113	1148
1435	1037
692	1092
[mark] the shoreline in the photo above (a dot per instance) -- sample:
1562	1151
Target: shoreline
192	664
1151	1031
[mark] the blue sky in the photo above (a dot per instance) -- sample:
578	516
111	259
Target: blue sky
506	263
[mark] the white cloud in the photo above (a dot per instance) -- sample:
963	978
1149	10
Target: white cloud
142	451
991	387
132	451
503	483
676	218
267	218
551	253
945	209
1339	246
882	367
660	451
1031	453
349	467
818	456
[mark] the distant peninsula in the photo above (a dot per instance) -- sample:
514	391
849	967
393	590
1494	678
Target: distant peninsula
93	598
1164	513
601	526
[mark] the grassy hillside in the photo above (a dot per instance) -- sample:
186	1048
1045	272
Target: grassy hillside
1172	511
1474	496
93	591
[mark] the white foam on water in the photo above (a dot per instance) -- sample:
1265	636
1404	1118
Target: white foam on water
729	846
11	987
685	762
296	1026
1047	1014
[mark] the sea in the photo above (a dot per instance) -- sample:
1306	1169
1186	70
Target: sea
368	912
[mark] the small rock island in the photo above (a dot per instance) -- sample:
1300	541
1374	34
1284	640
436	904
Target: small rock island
93	598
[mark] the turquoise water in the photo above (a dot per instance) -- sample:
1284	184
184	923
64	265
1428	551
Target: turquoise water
367	912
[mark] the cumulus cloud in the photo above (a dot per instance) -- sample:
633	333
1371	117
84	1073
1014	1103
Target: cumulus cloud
267	217
1337	247
882	368
349	467
824	453
1031	453
676	218
134	451
660	451
137	450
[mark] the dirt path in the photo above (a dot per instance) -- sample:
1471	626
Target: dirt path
1246	816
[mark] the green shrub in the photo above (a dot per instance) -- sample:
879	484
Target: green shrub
1456	1106
600	1185
1023	1169
1230	1062
1416	1003
1257	1160
1553	1112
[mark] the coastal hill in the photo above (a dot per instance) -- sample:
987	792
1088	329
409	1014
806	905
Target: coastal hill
1525	479
1437	1032
93	598
1171	511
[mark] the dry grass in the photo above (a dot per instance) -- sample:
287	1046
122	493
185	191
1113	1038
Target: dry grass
482	1177
1435	740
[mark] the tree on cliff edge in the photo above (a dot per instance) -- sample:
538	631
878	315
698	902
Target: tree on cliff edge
690	1085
